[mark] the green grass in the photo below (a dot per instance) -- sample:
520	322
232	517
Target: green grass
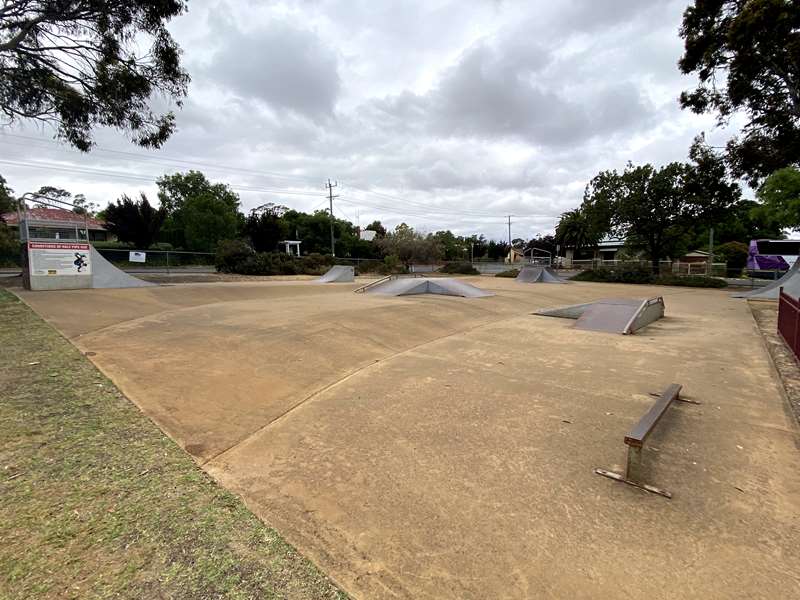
96	502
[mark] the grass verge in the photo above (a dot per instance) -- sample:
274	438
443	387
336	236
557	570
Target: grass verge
96	502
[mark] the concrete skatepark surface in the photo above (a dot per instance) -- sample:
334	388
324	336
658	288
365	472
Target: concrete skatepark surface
441	447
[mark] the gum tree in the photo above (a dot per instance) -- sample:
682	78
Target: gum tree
82	64
746	55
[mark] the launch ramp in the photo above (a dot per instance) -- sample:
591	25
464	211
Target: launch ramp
533	274
615	315
408	286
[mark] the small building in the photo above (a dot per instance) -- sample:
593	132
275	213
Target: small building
515	255
695	256
59	224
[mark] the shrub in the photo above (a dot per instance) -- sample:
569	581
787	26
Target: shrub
733	253
692	281
460	268
236	256
391	265
231	255
644	276
511	273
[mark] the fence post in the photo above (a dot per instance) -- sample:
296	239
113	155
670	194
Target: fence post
167	262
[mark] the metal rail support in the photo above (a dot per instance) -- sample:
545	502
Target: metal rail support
636	437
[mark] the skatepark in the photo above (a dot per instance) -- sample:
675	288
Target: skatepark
430	446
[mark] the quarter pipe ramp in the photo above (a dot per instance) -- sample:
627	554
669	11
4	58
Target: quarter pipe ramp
790	283
338	274
106	275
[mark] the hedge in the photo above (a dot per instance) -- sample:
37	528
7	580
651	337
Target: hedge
460	268
235	256
511	273
644	276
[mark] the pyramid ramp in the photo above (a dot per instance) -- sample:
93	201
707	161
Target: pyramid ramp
533	274
410	286
106	275
338	274
615	315
790	283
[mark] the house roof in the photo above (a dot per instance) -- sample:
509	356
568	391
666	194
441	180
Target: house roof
697	253
611	242
54	216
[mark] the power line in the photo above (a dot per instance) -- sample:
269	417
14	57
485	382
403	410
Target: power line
156	158
134	177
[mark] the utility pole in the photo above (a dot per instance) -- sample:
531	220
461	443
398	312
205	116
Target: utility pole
710	251
509	233
330	187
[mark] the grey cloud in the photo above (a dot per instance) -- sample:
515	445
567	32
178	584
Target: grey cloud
288	69
517	90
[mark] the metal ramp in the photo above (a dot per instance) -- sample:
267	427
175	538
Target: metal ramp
613	315
338	274
106	275
790	283
534	274
409	286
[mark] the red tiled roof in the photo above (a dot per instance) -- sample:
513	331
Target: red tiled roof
53	214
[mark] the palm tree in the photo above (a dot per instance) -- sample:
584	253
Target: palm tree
575	230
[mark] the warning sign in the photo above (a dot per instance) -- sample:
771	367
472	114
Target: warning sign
59	258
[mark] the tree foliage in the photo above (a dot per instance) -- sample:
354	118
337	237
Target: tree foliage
7	201
135	222
780	198
265	227
88	63
410	246
208	219
746	55
195	206
655	209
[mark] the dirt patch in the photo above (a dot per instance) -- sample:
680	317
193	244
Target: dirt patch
766	317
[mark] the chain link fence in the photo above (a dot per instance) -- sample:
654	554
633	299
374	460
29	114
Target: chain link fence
158	260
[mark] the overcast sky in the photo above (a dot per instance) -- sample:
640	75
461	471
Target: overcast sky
440	114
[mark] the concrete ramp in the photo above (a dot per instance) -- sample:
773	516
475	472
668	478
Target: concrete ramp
106	275
614	315
408	286
534	274
338	274
790	283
